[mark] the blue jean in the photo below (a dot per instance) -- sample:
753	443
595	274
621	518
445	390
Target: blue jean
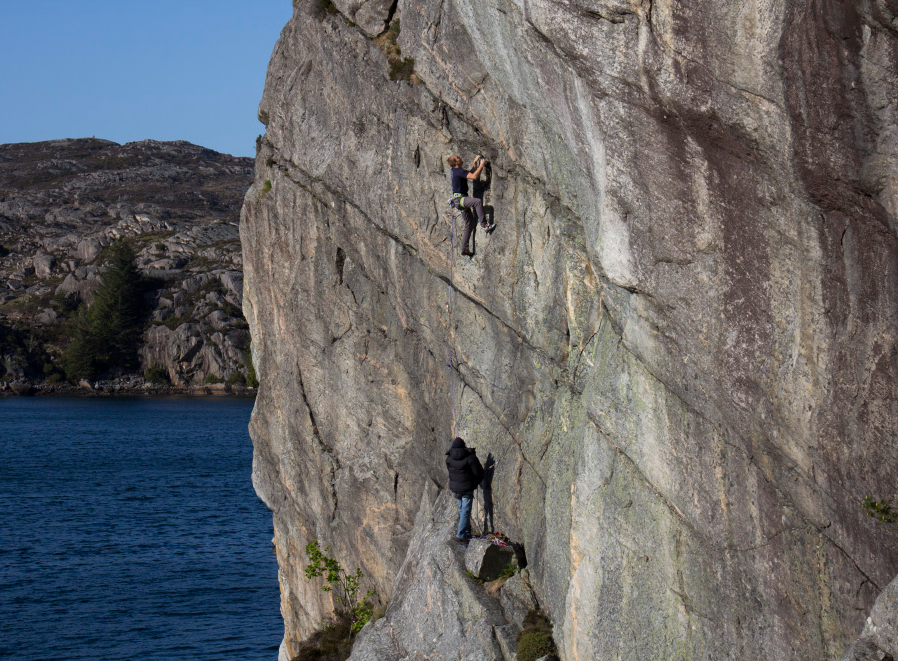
465	501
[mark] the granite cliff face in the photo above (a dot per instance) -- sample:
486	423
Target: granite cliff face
679	343
64	202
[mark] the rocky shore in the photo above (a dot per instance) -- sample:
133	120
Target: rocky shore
128	386
64	203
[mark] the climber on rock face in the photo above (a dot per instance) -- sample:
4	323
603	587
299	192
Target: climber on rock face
466	204
465	473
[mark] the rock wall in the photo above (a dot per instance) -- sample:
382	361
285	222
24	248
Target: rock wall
679	343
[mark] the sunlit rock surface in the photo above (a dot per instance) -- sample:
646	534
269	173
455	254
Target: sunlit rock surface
678	343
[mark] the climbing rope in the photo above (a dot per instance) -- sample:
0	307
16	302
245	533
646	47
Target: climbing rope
452	215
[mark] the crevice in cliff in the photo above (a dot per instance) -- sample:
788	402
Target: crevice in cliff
334	461
390	15
498	417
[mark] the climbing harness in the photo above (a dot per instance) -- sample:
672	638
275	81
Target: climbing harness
457	201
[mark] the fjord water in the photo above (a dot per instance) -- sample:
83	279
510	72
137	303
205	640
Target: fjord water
129	529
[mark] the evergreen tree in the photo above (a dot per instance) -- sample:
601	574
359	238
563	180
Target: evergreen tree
106	334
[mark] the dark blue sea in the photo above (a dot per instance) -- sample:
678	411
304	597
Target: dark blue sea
129	529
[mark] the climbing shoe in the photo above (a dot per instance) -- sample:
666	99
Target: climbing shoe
467	253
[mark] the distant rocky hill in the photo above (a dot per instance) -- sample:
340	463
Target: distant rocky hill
64	202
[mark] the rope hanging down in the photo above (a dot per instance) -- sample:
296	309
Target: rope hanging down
452	215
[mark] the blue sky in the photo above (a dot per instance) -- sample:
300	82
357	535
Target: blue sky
129	70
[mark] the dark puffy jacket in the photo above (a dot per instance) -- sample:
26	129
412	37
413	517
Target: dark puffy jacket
465	470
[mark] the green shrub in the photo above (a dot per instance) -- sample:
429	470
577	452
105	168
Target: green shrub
535	640
880	509
212	378
156	373
266	186
237	378
534	644
344	587
251	379
402	69
509	571
173	322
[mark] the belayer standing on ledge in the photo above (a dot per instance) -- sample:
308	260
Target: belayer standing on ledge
464	203
465	473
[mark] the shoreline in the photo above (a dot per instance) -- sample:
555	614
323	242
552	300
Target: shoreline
113	388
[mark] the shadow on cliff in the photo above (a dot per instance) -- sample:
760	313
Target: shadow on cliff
486	486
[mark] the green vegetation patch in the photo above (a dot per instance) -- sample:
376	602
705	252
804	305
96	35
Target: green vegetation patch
401	68
156	374
106	334
881	510
344	586
251	379
535	639
330	643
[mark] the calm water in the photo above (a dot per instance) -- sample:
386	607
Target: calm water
129	529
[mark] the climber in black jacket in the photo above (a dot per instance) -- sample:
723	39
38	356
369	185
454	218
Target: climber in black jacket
465	473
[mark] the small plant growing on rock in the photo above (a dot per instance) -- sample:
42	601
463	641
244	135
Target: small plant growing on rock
344	587
401	68
474	577
535	640
880	509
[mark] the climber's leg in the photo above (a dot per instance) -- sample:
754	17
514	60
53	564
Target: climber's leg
477	205
466	234
465	500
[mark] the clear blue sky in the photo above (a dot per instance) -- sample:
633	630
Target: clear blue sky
128	70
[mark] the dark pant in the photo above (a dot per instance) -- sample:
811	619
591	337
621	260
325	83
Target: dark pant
471	206
477	205
469	228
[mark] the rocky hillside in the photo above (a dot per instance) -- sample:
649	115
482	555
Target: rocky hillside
64	203
679	343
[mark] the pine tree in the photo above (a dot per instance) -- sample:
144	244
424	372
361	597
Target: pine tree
106	334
